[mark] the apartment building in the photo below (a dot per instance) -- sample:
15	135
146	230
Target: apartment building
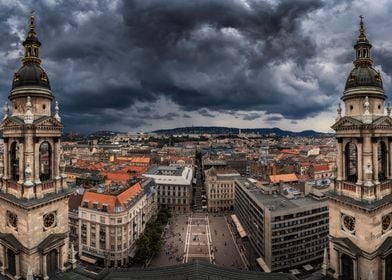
284	233
219	184
111	219
174	186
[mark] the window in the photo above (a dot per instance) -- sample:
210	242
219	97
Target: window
95	205
104	207
103	220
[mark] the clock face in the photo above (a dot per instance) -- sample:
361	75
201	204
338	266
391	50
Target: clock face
12	219
348	223
49	220
386	223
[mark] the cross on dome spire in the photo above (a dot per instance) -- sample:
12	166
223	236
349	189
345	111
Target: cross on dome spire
362	47
31	44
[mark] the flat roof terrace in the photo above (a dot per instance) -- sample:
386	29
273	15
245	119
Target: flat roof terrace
274	202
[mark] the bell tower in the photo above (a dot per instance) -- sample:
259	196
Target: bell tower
360	197
33	192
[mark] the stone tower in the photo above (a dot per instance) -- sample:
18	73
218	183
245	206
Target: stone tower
360	199
33	192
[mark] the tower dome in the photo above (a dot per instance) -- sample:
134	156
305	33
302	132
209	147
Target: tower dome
364	77
363	74
31	73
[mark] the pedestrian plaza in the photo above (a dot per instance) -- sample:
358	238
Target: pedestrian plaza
199	237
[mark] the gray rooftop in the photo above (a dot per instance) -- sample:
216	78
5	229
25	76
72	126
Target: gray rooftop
275	202
165	170
189	271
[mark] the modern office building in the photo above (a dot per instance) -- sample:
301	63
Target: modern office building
174	186
283	233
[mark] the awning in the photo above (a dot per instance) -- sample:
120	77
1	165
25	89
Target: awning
263	265
295	271
88	259
238	225
307	267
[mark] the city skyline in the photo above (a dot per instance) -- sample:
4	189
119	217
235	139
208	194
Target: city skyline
151	65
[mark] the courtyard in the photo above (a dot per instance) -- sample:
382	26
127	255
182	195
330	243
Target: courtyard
202	237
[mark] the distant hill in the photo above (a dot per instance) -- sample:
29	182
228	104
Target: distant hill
232	130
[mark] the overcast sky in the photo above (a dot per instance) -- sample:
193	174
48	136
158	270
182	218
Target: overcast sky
150	64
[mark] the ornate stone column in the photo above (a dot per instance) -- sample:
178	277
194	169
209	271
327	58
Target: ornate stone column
386	168
17	266
60	259
36	164
3	259
57	146
390	158
21	163
6	156
338	270
360	163
44	268
343	156
355	268
339	159
375	161
56	164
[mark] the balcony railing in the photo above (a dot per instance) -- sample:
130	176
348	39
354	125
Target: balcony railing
47	185
351	187
386	185
12	185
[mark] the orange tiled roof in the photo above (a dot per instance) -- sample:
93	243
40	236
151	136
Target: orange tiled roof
133	169
111	200
318	168
290	151
291	177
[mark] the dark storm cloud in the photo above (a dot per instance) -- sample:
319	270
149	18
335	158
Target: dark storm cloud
169	116
206	113
273	118
217	60
111	63
251	116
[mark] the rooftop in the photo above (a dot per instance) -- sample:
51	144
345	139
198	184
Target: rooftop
274	202
196	270
178	175
113	199
291	177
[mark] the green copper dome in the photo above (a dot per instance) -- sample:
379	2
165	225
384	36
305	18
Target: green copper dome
363	73
364	76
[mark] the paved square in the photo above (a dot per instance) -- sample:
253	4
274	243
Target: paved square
199	236
198	240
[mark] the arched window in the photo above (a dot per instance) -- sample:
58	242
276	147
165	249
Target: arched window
382	161
14	161
351	159
45	161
